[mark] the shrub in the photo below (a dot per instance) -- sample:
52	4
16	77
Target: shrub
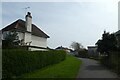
17	62
83	53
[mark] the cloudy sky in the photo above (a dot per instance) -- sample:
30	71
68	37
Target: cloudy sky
66	22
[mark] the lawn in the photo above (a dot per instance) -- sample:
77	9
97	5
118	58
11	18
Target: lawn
66	69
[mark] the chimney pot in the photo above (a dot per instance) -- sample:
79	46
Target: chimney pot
29	13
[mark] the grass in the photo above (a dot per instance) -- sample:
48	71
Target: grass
66	69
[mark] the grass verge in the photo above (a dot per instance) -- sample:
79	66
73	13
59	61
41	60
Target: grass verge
66	69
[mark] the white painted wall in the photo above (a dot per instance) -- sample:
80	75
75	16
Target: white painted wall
21	35
37	49
36	41
27	37
39	41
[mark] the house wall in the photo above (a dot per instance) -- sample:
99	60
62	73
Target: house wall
39	41
92	51
36	41
27	37
21	35
37	49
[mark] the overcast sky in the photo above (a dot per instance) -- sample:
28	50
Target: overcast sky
66	22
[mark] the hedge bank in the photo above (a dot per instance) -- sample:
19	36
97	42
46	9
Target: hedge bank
17	62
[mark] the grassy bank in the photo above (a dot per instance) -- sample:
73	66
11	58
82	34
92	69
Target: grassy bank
65	69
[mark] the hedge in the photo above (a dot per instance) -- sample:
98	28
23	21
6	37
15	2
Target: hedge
112	62
17	62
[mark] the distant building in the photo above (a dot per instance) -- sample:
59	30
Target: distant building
92	51
28	33
65	49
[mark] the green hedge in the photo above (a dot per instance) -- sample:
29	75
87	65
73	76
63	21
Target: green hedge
112	62
17	62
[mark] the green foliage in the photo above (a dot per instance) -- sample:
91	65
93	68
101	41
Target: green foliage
107	43
11	40
17	62
76	46
66	69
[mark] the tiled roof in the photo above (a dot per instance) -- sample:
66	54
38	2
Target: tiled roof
19	25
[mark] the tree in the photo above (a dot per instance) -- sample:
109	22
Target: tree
107	43
11	40
76	46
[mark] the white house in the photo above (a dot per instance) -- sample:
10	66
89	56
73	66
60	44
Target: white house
28	33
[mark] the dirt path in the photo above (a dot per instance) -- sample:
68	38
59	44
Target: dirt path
92	69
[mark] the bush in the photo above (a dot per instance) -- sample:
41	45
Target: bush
83	53
17	62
